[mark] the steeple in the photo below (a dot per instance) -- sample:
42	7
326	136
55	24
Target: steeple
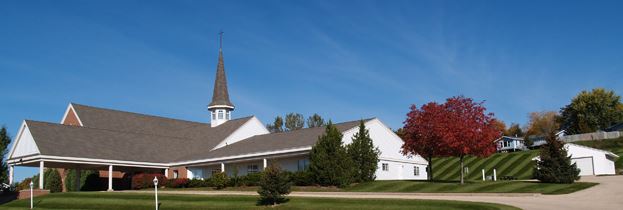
220	106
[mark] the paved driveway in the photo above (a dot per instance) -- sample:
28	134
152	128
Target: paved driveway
607	195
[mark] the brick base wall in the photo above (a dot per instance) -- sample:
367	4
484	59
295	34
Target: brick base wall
24	194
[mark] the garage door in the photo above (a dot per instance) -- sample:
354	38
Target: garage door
585	165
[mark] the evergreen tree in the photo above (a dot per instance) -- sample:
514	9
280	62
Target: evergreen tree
274	184
277	126
52	180
364	155
294	121
555	165
315	121
330	164
70	179
5	140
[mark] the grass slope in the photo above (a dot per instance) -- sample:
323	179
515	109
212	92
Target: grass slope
123	201
613	145
516	164
473	187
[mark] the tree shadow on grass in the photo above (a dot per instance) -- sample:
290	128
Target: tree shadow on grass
265	202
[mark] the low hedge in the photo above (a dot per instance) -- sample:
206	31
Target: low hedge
141	181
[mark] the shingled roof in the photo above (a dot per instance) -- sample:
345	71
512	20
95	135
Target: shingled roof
306	137
220	97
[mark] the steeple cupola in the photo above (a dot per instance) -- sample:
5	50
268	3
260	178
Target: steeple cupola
220	107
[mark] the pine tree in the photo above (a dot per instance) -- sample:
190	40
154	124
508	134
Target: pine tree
555	165
364	155
52	180
5	140
274	184
294	121
330	164
277	126
315	121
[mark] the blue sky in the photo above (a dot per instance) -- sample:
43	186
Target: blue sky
342	59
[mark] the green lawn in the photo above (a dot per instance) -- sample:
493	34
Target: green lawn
515	164
122	201
613	145
473	187
433	187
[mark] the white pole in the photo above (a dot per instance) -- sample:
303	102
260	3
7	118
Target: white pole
41	175
31	184
265	163
156	191
166	172
494	175
483	174
110	178
222	167
11	174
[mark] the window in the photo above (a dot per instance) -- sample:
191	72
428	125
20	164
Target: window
252	169
213	115
385	166
176	174
303	164
228	115
416	170
220	114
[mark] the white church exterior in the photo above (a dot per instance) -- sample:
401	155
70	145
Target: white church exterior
120	143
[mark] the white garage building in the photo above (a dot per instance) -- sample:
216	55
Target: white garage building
592	161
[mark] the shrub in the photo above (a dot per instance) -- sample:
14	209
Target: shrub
274	184
219	180
142	181
301	178
70	178
198	183
178	183
52	180
24	185
252	179
330	164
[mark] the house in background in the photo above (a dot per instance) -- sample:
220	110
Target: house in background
120	144
510	144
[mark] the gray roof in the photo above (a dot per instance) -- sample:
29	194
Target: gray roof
118	135
220	95
275	141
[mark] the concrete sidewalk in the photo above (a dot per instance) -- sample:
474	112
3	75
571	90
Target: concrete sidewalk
605	196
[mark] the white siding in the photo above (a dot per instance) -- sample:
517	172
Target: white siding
400	166
25	144
248	129
601	164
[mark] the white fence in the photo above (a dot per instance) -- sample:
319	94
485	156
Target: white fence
593	136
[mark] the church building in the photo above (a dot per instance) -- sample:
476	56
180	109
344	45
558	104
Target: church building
120	144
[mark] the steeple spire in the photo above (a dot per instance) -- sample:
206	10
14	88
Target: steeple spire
220	106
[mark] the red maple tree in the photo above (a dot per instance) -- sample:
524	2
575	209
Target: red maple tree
458	128
422	133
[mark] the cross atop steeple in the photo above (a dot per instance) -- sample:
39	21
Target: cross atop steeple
220	43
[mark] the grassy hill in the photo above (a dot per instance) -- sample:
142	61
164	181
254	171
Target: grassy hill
516	164
613	145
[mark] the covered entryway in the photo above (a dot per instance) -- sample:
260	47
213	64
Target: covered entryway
585	164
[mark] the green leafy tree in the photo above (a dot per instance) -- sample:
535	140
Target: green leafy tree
315	121
364	155
52	180
294	121
274	185
592	111
330	164
514	130
555	165
277	126
5	140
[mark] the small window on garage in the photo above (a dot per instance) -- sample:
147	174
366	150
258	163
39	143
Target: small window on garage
416	170
385	167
